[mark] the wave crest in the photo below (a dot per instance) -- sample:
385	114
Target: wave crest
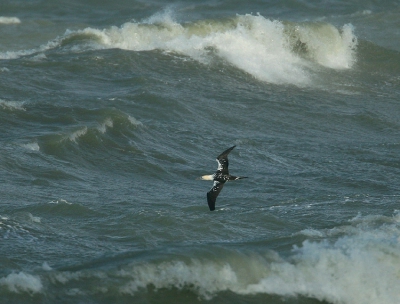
269	50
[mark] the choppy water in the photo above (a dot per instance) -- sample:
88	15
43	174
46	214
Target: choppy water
110	111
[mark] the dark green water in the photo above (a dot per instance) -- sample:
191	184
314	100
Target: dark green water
110	111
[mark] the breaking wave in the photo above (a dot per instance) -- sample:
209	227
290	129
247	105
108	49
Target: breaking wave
269	50
362	265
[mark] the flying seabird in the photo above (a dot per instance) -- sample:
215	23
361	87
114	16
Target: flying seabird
219	177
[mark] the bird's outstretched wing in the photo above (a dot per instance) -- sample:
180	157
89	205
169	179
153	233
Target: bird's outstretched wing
213	193
223	162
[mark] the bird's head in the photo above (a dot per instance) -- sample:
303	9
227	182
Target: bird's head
206	177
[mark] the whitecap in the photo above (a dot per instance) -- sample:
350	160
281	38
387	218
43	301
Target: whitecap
108	123
327	45
34	219
9	20
34	146
269	50
22	282
75	135
361	266
312	233
134	121
12	105
46	266
207	278
62	201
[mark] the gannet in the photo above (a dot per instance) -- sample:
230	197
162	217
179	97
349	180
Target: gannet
219	177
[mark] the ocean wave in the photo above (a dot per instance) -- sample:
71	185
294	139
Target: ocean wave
92	134
325	44
360	266
269	50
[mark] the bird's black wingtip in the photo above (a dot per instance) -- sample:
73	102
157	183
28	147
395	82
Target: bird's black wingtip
225	153
211	202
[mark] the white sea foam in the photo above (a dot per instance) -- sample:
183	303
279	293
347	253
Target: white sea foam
9	20
75	135
34	146
61	201
12	105
268	50
327	45
34	219
39	57
108	123
134	121
362	267
253	44
264	48
22	282
205	277
259	47
46	266
8	55
346	272
312	233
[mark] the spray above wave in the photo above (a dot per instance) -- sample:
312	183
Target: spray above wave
269	50
325	44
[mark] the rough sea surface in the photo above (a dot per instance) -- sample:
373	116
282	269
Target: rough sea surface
110	110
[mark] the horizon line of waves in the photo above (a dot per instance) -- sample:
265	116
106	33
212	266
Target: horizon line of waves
362	266
270	50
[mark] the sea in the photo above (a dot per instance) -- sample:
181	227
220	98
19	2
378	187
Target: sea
111	110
